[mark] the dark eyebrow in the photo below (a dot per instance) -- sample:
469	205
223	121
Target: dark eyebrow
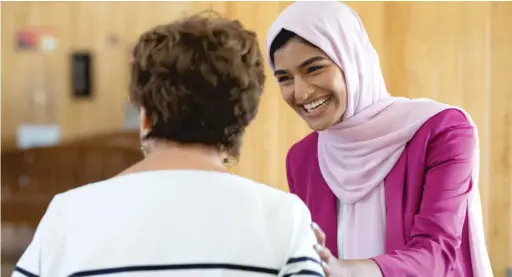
311	60
303	64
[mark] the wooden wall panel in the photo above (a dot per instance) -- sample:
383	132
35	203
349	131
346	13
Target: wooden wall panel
500	139
78	26
457	52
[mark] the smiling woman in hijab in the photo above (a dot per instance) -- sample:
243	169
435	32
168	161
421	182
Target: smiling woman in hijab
391	182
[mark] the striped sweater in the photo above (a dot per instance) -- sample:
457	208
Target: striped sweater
173	223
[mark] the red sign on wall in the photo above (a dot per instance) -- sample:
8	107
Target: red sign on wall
36	39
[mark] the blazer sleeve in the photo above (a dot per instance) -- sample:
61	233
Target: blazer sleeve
437	230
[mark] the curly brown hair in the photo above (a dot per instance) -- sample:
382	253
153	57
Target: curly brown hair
199	80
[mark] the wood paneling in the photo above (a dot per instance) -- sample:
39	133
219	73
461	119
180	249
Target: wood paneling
78	26
457	52
499	183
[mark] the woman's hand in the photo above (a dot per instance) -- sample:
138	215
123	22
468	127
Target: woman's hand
340	268
332	266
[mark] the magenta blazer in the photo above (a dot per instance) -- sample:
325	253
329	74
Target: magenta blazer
426	199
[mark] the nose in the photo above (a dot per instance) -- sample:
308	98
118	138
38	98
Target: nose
303	89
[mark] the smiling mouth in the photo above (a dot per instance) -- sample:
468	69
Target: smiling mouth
312	106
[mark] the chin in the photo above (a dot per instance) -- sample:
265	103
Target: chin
319	126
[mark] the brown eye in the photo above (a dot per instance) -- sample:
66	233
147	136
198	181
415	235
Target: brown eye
283	79
314	68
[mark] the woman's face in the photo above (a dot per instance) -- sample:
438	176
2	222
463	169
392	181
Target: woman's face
311	83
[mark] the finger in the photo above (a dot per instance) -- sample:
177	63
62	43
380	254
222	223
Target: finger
326	259
320	235
325	254
326	268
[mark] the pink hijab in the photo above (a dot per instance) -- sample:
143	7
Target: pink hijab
356	154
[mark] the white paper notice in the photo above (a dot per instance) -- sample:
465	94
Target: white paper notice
37	135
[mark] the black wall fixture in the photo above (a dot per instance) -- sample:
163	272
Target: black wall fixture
81	74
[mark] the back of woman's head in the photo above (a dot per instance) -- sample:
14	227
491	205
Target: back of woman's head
198	80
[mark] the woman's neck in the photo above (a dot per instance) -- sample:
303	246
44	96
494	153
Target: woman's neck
169	156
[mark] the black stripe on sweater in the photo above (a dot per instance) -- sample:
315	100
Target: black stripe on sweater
302	259
25	272
305	272
173	267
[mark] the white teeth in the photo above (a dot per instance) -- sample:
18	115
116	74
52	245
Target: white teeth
315	104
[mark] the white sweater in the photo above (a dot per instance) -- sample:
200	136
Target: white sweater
173	223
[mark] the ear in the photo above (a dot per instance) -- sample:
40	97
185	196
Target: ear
144	121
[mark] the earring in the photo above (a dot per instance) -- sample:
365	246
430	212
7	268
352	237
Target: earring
229	161
143	147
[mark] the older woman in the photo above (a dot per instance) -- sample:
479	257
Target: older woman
197	83
391	181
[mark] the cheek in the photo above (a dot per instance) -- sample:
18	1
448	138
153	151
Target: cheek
340	90
337	85
326	82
